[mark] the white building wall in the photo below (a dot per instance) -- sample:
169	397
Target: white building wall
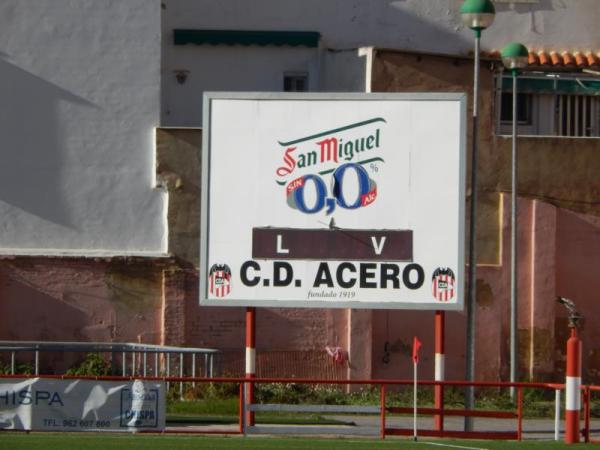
227	68
345	70
80	90
560	25
345	26
342	23
249	68
80	86
425	25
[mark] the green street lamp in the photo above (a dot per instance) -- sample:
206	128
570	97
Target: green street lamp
514	57
477	15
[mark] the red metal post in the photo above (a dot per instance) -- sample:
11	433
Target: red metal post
383	411
250	361
573	384
440	317
519	413
586	413
241	406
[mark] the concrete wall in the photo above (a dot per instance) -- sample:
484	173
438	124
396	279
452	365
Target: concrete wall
80	299
226	68
345	27
79	179
545	187
250	69
363	334
156	300
424	25
546	24
577	250
178	172
558	225
414	72
290	341
80	89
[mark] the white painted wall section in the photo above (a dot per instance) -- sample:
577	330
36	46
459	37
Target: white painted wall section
80	89
424	25
346	28
227	68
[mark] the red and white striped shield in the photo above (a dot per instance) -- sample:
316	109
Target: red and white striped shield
443	282
220	280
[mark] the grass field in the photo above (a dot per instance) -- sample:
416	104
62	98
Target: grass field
79	441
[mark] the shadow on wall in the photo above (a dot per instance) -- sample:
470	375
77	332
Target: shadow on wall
32	156
420	32
345	26
524	8
528	8
27	313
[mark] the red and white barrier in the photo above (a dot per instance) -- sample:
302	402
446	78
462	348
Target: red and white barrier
439	367
250	359
573	388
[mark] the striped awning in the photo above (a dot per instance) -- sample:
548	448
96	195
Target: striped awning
580	86
246	37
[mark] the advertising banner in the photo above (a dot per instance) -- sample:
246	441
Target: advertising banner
44	404
333	200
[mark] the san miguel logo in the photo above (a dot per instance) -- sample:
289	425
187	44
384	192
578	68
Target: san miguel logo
349	149
220	280
443	281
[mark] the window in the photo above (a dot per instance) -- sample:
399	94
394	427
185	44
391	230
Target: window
523	108
577	115
295	82
550	105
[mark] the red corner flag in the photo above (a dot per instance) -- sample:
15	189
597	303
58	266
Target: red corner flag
415	352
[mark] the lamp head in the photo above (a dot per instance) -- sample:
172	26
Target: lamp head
477	14
515	56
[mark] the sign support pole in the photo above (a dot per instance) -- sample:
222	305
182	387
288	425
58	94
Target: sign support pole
440	319
250	361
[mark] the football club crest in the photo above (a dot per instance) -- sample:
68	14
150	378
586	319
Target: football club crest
220	280
443	281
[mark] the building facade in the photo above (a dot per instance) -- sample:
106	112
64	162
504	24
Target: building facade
101	177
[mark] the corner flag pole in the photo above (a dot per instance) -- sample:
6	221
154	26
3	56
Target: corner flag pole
415	403
415	358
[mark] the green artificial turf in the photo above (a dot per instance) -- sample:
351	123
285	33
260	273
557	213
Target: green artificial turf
109	441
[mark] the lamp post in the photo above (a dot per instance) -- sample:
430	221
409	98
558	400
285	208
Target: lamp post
514	57
477	15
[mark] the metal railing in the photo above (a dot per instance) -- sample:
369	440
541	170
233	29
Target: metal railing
247	407
134	357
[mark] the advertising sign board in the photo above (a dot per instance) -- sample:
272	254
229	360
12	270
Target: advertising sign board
43	404
333	200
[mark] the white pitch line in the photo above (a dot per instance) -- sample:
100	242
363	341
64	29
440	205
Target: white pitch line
451	446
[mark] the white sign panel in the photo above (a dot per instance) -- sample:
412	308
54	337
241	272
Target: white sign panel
44	404
315	200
